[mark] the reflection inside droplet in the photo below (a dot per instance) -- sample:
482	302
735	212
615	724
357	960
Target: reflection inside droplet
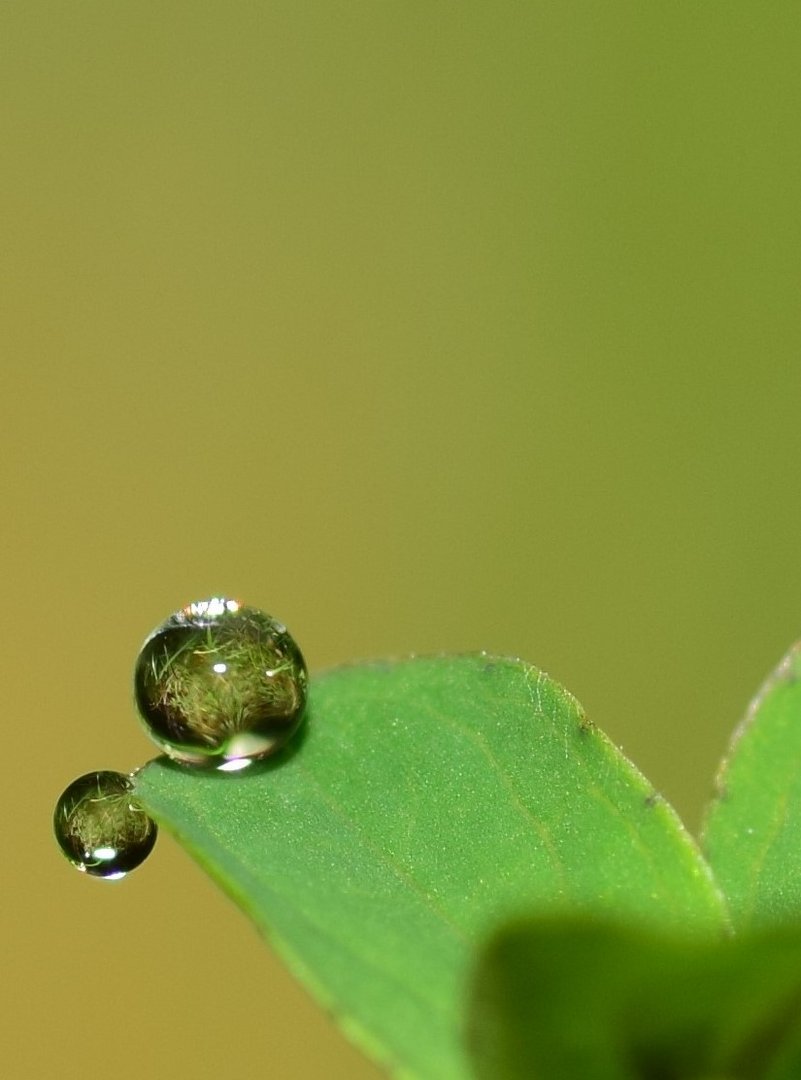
101	828
219	681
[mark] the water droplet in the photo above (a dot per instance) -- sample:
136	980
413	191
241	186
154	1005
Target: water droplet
101	828
220	682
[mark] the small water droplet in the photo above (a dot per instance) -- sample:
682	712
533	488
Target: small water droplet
101	828
220	682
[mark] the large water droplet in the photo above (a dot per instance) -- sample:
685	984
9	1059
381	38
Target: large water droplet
101	828
220	682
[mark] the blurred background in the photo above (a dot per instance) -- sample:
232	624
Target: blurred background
425	326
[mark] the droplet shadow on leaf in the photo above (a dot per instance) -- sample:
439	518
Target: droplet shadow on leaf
249	770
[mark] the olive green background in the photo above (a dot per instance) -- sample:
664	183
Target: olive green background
425	326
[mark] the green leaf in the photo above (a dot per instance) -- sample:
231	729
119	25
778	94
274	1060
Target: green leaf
574	999
427	801
752	834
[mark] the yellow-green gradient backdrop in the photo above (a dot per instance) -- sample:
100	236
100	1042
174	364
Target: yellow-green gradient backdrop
423	325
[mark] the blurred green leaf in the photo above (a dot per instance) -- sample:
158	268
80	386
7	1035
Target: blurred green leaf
574	999
752	833
427	801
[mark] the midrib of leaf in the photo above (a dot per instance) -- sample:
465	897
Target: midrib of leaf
388	860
